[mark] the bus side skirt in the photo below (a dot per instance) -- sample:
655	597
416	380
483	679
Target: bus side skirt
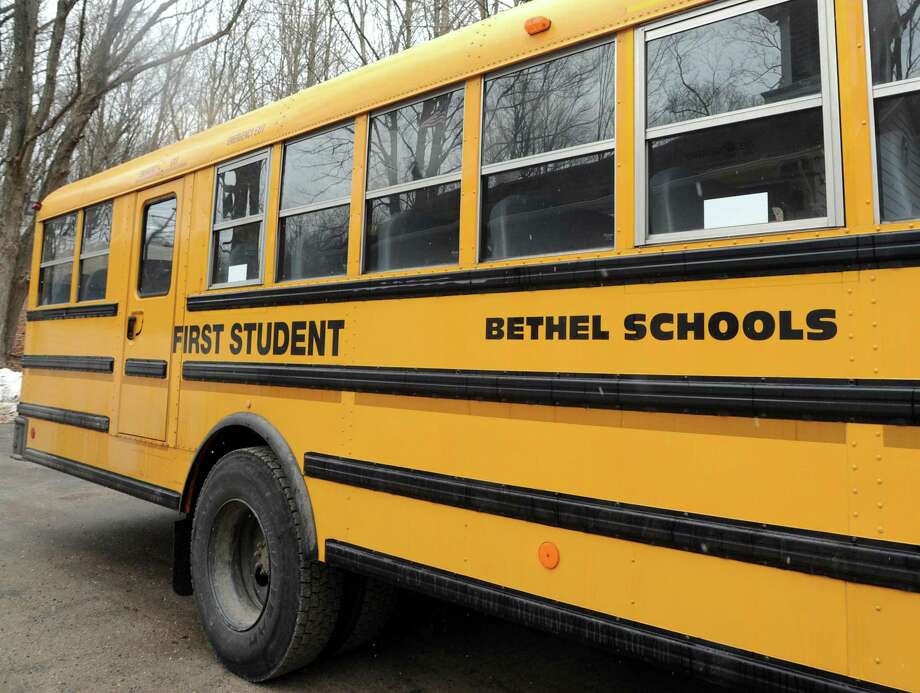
133	487
727	666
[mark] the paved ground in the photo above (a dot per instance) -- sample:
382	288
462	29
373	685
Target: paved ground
86	605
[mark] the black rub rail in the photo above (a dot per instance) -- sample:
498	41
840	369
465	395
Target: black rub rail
139	489
822	399
866	561
145	368
97	310
730	667
835	254
81	419
88	364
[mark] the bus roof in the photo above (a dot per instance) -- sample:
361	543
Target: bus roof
450	59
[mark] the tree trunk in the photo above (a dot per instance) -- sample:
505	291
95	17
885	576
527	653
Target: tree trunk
11	221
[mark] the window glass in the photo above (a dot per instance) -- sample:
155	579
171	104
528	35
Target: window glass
240	191
897	146
894	28
317	175
93	273
236	253
417	141
97	228
157	248
56	270
557	207
314	244
756	58
54	283
239	216
753	172
58	237
556	203
413	229
561	103
318	169
762	162
94	259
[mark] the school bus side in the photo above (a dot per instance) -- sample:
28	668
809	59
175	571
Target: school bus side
740	507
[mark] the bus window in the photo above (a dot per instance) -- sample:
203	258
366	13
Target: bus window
157	250
547	156
57	259
413	184
315	197
739	120
239	214
894	34
94	251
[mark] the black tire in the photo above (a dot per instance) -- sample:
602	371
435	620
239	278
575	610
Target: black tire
266	608
367	605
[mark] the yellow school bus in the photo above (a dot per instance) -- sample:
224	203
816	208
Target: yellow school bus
595	315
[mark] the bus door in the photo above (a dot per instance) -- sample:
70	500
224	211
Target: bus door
144	396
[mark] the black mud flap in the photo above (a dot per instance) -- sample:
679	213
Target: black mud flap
182	566
20	426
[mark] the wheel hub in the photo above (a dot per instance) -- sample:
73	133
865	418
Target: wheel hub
239	565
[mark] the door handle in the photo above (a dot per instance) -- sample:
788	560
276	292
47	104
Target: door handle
135	324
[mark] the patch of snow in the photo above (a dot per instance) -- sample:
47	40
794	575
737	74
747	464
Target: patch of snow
10	387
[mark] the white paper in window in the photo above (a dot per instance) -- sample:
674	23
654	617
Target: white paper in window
737	210
236	273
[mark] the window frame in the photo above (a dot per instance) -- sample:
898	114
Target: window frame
215	226
546	157
827	99
93	253
42	264
400	188
911	85
313	207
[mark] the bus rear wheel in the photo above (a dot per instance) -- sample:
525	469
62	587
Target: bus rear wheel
266	608
367	606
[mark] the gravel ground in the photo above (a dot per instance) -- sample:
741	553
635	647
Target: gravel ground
86	605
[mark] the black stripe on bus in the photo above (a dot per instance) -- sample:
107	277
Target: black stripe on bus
145	368
825	399
854	559
97	310
95	422
88	364
133	487
731	667
835	254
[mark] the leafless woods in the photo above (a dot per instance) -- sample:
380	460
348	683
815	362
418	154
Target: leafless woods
88	84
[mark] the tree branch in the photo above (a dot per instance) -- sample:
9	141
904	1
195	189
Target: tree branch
143	67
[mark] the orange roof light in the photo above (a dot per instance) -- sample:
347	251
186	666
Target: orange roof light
537	25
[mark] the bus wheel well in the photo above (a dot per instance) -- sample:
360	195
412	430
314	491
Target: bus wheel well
232	433
218	444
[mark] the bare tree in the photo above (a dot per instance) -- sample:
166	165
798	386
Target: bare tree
88	84
53	82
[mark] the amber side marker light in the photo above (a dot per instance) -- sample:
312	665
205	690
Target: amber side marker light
537	25
548	555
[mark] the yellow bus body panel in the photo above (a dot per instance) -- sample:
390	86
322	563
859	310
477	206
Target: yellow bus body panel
856	480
